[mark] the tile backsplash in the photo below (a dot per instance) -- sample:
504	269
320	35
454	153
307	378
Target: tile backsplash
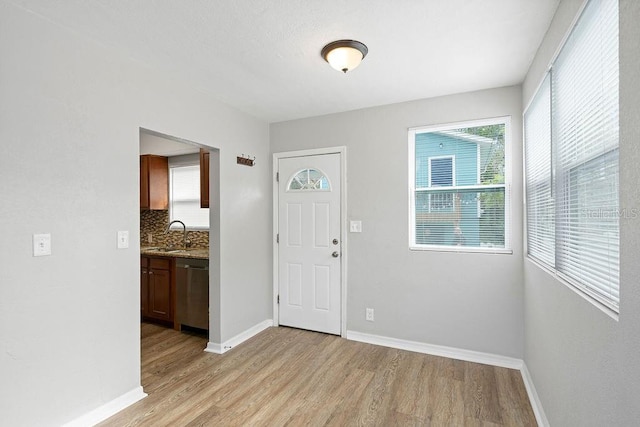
156	222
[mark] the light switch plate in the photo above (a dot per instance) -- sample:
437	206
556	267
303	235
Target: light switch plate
355	227
41	244
123	239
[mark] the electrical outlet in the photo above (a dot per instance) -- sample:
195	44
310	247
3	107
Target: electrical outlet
369	314
41	244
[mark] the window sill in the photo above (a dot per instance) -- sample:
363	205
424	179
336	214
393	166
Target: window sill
554	274
459	249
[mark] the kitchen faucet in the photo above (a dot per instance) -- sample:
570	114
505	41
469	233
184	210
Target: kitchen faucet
184	227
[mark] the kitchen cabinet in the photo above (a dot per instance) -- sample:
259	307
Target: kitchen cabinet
154	182
204	178
157	288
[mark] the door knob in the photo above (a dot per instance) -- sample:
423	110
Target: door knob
335	254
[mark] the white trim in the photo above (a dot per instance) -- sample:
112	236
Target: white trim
342	151
479	177
274	226
456	125
466	250
478	187
218	348
438	350
109	409
508	165
534	399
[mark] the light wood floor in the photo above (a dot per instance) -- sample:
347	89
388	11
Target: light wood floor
293	377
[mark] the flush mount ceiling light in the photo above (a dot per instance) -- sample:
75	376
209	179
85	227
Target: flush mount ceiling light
344	55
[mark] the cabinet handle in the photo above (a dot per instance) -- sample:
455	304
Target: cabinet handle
151	272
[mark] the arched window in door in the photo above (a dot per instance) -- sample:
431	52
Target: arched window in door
309	179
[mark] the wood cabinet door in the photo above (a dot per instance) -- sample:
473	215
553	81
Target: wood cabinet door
144	182
158	182
154	182
204	178
159	304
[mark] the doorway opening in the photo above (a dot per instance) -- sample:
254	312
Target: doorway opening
179	232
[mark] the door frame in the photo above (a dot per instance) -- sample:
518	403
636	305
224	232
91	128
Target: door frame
342	151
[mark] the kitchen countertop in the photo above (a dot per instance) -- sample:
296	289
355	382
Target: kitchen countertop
192	253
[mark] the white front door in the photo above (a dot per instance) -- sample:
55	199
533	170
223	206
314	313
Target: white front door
309	249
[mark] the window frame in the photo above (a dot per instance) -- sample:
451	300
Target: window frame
412	132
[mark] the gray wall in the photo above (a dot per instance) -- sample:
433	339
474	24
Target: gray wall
584	364
469	301
70	113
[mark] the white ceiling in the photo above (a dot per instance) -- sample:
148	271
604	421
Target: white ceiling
154	143
263	56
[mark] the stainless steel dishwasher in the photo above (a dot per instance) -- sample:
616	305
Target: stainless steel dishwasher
192	293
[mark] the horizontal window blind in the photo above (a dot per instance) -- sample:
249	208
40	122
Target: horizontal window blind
184	196
459	187
584	164
540	204
585	131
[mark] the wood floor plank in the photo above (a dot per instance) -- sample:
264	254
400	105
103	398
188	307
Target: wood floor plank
291	377
514	402
447	402
481	394
413	387
374	404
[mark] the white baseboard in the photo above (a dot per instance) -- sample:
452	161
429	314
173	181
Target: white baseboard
536	404
108	409
438	350
217	348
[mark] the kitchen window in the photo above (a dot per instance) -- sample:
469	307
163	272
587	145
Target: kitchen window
184	196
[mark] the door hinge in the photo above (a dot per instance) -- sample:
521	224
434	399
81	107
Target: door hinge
277	176
278	238
278	299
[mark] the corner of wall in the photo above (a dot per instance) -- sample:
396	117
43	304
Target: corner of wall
534	399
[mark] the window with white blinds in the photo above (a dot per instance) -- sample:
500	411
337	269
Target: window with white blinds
458	182
184	197
539	188
571	148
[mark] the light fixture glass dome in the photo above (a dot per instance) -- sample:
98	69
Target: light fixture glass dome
344	55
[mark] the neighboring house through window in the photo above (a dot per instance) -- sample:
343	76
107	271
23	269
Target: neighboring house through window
441	174
458	182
